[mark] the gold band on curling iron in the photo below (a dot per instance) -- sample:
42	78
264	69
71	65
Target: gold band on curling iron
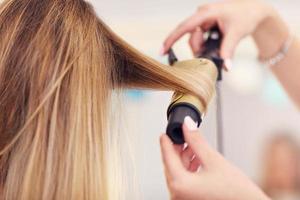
181	98
184	104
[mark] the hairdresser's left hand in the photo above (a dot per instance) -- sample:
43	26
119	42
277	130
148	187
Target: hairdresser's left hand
216	179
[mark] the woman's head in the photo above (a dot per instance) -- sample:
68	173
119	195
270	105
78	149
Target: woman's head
59	64
281	164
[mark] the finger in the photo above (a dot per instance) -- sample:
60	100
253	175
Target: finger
196	40
170	157
194	164
185	27
207	25
186	157
202	150
179	148
229	43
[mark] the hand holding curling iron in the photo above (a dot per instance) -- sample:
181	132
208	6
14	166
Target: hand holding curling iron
199	172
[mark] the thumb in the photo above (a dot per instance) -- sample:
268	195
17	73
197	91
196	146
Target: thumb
229	44
204	152
170	157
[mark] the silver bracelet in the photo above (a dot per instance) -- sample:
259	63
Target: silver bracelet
280	55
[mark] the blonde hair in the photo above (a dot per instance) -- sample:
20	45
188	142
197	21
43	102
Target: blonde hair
59	64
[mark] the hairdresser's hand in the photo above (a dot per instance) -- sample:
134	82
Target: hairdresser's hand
216	179
236	19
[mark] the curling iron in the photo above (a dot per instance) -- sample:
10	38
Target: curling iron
183	105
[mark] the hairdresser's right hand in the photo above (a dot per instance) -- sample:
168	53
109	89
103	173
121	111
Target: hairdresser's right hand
216	179
236	18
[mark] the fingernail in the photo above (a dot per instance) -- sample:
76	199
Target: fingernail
162	51
190	124
228	64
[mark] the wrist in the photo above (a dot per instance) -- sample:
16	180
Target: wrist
270	34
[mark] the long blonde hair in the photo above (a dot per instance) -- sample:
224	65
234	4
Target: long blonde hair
59	64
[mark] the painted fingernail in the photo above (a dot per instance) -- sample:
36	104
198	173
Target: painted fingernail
190	124
228	64
162	51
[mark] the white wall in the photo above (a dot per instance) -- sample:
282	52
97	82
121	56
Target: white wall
253	104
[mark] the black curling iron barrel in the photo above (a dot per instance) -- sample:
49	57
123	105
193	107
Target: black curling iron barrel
183	105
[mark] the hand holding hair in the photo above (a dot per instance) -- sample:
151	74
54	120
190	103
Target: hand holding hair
199	172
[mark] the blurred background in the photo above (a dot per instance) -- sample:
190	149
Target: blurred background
261	125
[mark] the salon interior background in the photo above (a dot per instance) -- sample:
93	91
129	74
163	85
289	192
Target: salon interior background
253	102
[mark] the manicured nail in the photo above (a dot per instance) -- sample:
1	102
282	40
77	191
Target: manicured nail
162	51
190	124
228	64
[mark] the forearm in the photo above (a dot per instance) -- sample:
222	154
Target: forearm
288	72
269	38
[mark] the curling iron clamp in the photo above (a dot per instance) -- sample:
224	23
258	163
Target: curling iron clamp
183	105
